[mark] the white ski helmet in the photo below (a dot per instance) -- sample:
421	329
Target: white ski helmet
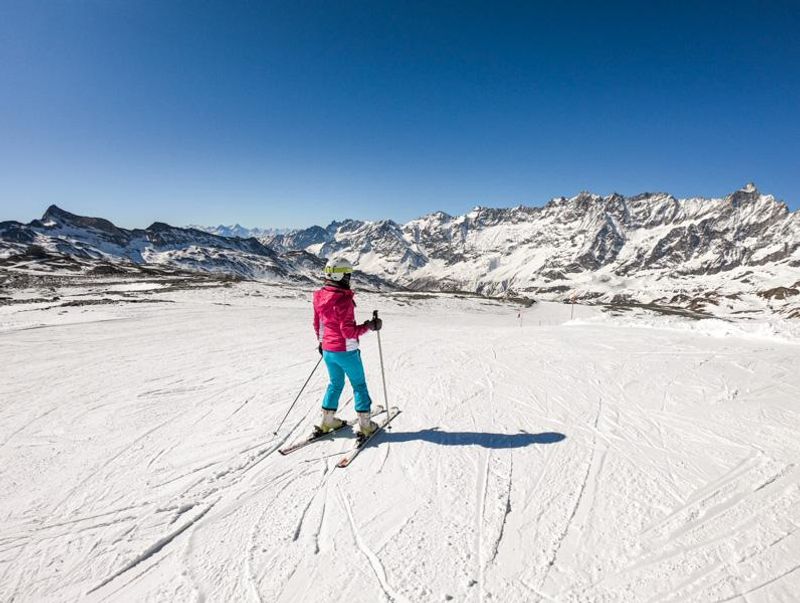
337	267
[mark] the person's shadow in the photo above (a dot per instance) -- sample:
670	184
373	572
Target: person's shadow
474	438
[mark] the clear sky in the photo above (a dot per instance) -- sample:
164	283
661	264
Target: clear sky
293	113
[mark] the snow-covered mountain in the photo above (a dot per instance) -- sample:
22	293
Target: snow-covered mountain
237	230
646	248
61	240
737	254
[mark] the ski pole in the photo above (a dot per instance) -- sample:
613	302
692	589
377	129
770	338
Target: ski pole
383	374
298	396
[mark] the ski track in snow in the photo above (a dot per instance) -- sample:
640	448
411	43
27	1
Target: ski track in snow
555	463
377	566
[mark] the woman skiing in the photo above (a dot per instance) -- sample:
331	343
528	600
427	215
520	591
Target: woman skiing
338	334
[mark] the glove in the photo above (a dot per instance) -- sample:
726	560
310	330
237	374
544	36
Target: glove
374	325
319	349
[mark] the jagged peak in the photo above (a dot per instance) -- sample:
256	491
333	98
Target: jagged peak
649	195
748	193
436	216
55	213
159	227
346	222
585	196
382	224
314	227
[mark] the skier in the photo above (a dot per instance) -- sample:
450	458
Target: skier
338	333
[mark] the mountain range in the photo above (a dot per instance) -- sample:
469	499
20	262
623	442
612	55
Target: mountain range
61	240
737	254
237	230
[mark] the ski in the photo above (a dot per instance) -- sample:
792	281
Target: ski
317	436
349	456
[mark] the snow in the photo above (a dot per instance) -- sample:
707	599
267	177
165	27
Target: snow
770	329
140	286
596	458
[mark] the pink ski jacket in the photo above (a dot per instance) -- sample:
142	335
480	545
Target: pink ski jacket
334	319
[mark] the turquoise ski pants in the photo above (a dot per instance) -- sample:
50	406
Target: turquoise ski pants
340	364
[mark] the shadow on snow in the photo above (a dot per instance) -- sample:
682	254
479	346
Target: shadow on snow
473	438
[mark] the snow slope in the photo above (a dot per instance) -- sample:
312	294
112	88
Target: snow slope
537	458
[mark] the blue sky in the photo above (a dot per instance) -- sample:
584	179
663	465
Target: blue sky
293	113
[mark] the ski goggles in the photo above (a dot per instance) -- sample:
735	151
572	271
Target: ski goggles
338	270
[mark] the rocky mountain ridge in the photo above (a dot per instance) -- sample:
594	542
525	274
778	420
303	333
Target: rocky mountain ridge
649	248
237	230
65	241
741	252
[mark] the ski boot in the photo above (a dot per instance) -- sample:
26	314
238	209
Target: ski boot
330	422
366	426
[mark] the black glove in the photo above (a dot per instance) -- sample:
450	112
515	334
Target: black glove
319	349
375	324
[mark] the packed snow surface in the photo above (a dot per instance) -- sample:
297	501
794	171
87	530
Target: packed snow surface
140	286
538	457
